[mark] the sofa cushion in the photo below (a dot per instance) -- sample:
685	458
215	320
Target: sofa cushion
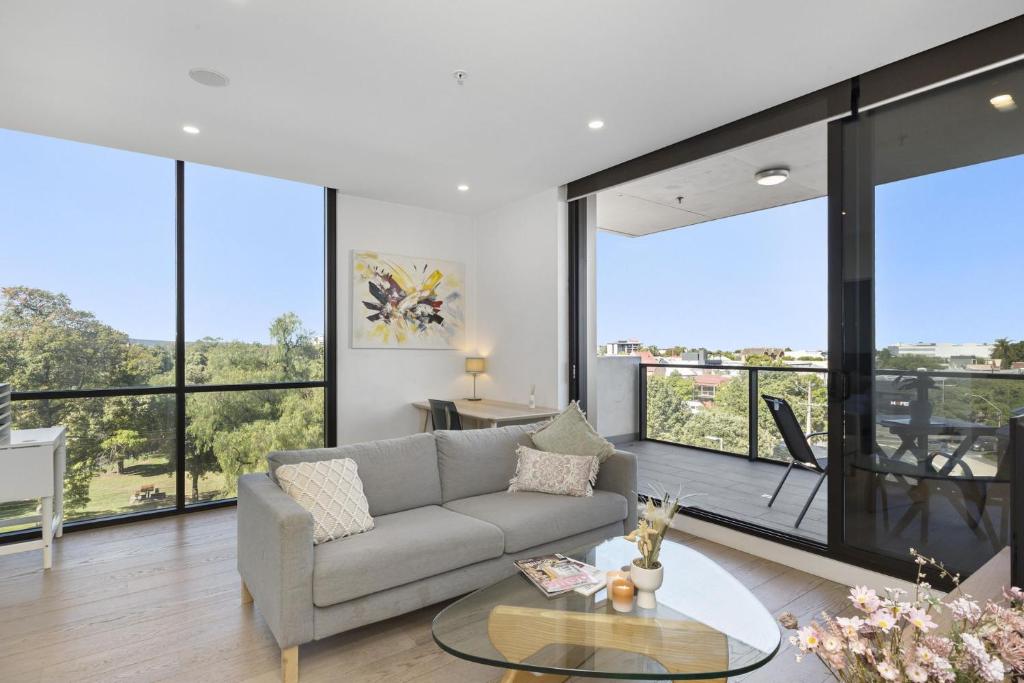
332	492
566	475
477	461
401	548
397	474
570	433
528	519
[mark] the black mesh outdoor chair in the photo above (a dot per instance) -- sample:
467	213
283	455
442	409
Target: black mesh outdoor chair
814	458
444	414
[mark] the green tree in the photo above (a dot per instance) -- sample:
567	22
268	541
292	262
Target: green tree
912	362
718	429
122	444
667	409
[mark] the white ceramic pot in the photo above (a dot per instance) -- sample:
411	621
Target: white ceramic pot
646	581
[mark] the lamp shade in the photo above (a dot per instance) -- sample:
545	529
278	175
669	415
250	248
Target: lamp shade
476	365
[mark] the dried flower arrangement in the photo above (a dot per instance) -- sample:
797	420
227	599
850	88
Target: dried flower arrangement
897	639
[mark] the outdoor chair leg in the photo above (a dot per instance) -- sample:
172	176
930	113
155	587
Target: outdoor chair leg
810	498
783	481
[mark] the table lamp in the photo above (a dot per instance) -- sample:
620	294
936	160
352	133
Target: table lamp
475	366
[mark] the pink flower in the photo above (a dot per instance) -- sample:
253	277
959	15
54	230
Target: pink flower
924	656
864	598
921	620
992	670
916	673
831	644
858	646
963	608
808	638
850	627
883	620
887	671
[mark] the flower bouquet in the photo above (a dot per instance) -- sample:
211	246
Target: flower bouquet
893	639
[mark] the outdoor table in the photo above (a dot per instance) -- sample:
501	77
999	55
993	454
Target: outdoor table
914	435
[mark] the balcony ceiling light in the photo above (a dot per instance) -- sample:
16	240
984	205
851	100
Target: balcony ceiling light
463	188
771	176
191	130
1003	102
596	124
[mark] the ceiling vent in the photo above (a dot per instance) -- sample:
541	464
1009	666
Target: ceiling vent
208	77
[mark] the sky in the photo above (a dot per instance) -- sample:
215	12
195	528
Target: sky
98	225
948	269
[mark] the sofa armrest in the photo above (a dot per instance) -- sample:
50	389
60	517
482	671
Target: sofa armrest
618	475
275	557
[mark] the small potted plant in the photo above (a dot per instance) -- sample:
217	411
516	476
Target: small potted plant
646	571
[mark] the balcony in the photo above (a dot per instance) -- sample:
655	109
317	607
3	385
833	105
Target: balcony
706	430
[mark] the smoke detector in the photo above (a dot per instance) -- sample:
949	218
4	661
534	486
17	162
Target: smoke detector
460	76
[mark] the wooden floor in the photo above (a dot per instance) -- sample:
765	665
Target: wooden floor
159	601
734	486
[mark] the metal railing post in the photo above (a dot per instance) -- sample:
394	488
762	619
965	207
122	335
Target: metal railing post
642	403
752	413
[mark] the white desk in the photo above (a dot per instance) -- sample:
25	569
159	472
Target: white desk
32	466
492	413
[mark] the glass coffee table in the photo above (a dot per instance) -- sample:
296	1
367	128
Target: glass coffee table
707	625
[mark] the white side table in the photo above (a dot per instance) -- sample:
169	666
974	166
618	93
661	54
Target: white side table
32	466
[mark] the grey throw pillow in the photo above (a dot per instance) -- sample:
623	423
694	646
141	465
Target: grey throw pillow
570	433
558	473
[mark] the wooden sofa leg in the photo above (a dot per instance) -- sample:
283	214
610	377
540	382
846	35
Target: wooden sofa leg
246	595
290	664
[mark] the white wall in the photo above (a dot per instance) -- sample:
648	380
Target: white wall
520	300
617	378
377	386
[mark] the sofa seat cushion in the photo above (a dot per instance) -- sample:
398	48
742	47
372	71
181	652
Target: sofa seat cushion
401	548
529	519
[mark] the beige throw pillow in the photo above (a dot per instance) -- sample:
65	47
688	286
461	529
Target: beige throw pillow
332	492
570	433
558	473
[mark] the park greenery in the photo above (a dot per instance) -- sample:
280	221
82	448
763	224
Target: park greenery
121	448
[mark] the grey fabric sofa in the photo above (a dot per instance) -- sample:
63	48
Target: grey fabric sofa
444	525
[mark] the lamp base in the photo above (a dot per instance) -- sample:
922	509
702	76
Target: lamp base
473	399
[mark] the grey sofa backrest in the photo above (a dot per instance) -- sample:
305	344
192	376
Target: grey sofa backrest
473	462
397	474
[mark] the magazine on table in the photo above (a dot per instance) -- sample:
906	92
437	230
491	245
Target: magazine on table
557	574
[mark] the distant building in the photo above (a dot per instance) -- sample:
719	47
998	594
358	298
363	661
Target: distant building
706	386
624	347
943	350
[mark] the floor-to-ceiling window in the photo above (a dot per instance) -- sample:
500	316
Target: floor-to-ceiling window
91	242
935	327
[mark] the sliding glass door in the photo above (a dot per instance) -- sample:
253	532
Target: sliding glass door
928	320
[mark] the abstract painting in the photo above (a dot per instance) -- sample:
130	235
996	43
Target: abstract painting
405	302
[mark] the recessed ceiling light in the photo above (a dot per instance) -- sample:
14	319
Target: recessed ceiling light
463	188
771	176
1003	102
208	77
596	124
191	130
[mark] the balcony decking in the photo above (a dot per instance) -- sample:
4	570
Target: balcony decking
733	486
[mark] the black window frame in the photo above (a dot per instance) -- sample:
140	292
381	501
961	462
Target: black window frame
180	389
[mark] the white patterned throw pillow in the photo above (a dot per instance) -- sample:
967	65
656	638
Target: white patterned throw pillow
558	473
332	492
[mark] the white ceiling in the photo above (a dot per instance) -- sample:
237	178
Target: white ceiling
359	95
719	186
